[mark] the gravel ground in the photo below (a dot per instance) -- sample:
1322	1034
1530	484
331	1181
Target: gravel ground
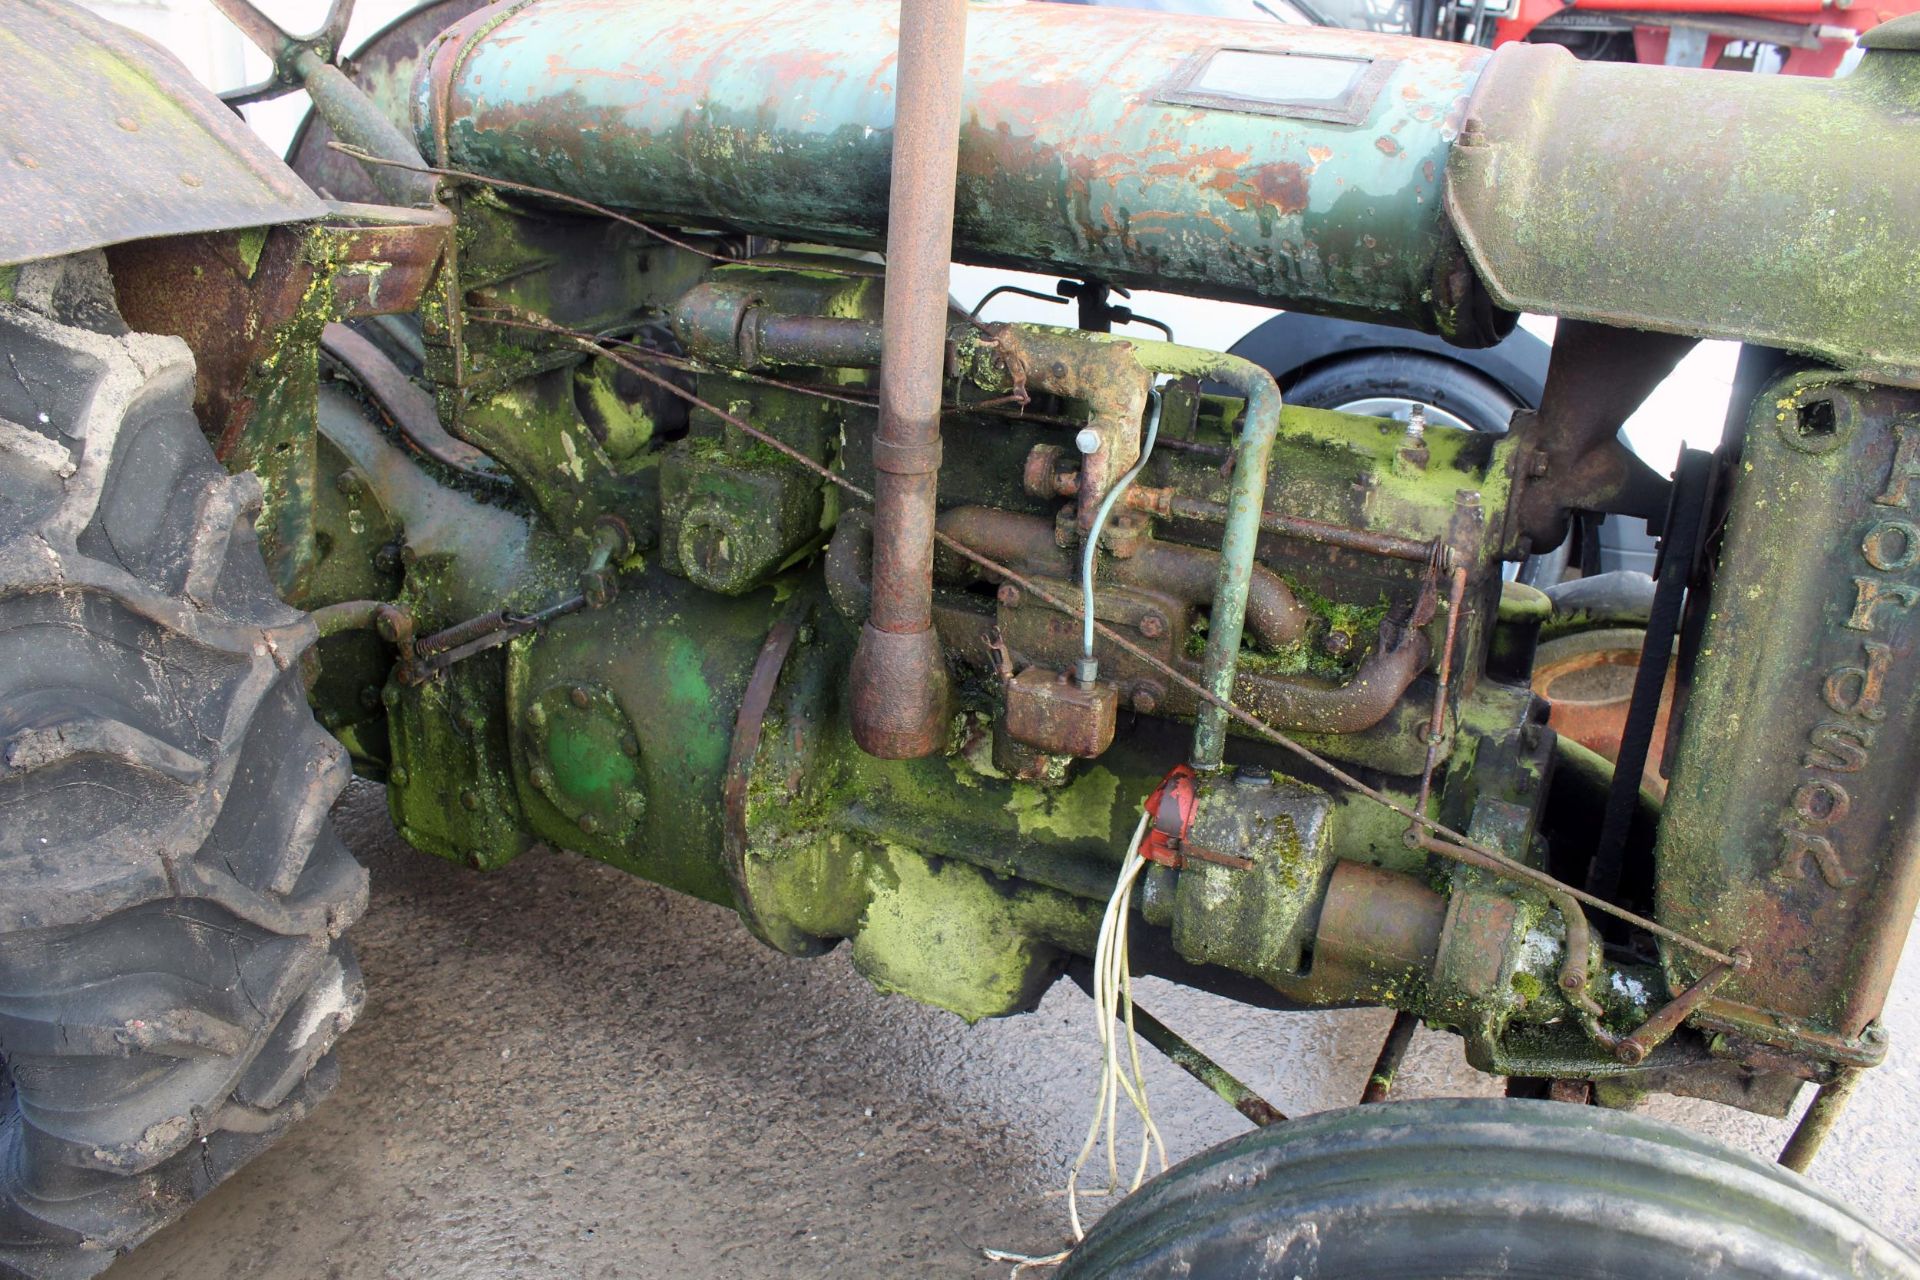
565	1072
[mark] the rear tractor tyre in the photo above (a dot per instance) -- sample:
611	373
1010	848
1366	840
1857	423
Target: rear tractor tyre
172	975
1482	1187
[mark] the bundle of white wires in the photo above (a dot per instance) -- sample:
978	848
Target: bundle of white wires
1120	1071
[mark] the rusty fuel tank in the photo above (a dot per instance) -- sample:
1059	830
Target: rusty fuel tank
1252	161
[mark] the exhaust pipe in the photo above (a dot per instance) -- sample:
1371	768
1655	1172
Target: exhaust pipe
901	687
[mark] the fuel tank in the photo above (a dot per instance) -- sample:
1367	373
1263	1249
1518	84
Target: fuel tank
1253	161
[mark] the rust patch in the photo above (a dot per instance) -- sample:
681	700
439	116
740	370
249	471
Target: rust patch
1282	186
1387	146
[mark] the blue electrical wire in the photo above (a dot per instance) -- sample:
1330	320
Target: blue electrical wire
1092	546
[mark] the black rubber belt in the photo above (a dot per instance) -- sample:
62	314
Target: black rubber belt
1691	483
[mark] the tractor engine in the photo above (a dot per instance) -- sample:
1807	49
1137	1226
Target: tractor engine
750	563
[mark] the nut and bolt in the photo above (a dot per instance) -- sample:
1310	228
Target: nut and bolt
1087	440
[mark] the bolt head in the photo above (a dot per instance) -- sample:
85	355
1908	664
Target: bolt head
469	799
579	696
1144	700
1153	626
398	775
629	745
635	804
589	824
1009	595
541	775
1087	440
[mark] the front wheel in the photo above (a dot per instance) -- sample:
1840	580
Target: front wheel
1482	1187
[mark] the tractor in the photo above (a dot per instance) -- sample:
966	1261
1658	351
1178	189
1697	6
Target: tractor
578	437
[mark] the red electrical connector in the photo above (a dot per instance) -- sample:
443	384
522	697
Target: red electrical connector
1170	812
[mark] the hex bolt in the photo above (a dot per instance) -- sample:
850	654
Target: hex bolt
635	805
542	776
1087	441
1145	699
1153	626
470	799
1009	595
1337	642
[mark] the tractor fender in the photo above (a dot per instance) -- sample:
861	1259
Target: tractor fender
106	138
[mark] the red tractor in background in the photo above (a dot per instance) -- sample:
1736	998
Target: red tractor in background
1792	37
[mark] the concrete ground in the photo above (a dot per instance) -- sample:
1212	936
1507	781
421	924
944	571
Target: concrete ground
564	1072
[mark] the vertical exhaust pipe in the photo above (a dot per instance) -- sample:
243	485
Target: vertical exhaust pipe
901	687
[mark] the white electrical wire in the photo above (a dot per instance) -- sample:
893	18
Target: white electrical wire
1119	1074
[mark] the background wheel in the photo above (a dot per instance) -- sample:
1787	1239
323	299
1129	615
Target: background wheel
172	977
1481	1187
1387	384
